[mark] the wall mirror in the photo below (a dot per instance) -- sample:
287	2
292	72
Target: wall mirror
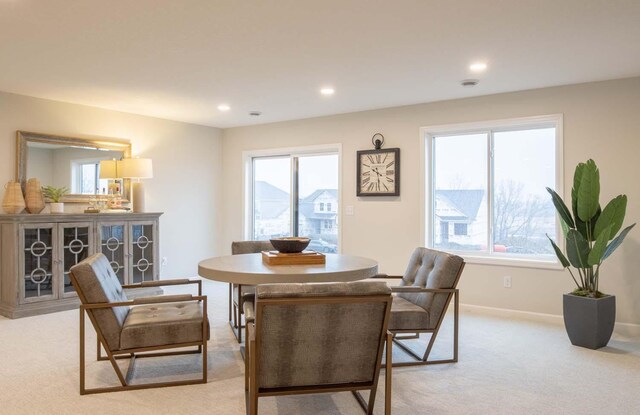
70	162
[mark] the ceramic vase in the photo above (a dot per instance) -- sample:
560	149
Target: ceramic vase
589	321
56	207
13	201
33	195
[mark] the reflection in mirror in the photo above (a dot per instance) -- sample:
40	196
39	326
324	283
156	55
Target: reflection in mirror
75	168
73	163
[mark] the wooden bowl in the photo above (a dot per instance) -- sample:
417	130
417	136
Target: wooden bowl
290	245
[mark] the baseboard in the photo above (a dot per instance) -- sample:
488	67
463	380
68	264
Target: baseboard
622	329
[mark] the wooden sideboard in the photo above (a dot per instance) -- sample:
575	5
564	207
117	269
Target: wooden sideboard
37	251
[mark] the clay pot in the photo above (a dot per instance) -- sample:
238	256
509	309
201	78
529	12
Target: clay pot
13	201
33	196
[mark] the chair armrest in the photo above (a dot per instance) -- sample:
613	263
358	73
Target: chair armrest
160	283
407	289
249	311
385	276
146	300
163	299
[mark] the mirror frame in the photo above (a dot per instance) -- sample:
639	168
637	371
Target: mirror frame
22	152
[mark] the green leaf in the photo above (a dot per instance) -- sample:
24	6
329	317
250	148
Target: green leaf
562	209
616	242
612	215
565	228
563	259
582	227
595	256
577	176
589	191
577	249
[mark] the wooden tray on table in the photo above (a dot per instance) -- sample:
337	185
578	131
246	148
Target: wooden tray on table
299	258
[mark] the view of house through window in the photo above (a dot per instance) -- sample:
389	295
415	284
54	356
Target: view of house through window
488	191
316	205
86	177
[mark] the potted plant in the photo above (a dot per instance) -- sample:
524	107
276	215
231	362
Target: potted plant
591	235
55	194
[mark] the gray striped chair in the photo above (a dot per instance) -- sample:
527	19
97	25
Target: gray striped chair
318	338
422	299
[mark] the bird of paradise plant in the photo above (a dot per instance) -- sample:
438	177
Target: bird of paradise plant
589	231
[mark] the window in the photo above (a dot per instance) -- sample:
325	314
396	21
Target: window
485	188
460	229
86	177
288	192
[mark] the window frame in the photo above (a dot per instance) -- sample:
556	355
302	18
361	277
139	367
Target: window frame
427	135
248	197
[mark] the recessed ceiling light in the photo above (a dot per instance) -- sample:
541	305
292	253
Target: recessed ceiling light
478	67
327	91
224	107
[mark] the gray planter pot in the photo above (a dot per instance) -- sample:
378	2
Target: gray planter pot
589	321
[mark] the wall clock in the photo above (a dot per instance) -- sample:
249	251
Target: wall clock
378	170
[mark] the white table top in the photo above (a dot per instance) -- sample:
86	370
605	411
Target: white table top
250	270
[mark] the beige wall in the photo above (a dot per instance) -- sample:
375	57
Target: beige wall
186	163
601	121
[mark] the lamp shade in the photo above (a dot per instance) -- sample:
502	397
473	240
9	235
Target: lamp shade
110	169
136	168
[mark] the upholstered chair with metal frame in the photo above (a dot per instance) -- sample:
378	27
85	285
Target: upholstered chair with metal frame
238	292
422	299
318	338
137	328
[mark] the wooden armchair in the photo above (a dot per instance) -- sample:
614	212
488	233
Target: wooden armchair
317	338
422	299
131	328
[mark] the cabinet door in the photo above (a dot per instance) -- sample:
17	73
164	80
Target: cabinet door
142	237
112	242
76	243
37	262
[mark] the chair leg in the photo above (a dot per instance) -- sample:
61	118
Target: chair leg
203	348
253	384
230	299
387	375
247	356
82	373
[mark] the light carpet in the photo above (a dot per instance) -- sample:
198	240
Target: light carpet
507	366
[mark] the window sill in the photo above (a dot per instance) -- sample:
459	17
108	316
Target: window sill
508	262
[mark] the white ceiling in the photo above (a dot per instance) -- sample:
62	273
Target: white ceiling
180	59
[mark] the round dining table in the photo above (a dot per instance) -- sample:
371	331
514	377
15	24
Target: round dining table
248	269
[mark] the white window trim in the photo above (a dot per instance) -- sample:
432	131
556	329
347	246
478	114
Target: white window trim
247	196
426	179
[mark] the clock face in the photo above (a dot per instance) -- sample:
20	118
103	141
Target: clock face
378	172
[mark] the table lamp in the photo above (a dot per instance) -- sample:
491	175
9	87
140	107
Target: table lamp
137	169
109	169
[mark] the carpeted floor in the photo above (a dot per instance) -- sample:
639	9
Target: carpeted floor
506	366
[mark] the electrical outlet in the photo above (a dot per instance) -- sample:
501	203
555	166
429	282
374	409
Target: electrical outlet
507	282
348	210
164	261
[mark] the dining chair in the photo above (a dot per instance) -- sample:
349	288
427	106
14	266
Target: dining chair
137	328
238	293
421	301
318	338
